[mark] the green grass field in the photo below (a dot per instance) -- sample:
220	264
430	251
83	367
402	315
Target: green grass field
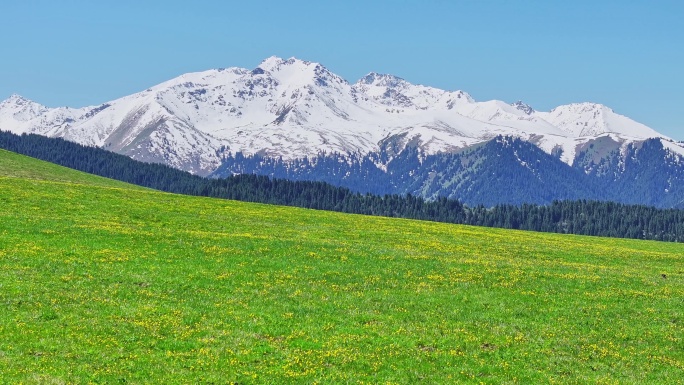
103	282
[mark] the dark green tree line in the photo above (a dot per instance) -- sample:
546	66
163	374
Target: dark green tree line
572	217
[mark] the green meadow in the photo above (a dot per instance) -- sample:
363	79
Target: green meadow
104	282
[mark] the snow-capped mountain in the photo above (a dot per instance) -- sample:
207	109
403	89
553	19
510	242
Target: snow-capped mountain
291	108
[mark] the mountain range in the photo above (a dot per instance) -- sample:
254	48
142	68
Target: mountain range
381	134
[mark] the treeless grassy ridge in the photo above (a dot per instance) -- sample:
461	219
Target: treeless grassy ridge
103	282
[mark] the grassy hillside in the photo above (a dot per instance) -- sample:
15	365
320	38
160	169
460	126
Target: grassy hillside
101	282
13	165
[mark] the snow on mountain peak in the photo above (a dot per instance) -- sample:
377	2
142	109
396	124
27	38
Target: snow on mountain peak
16	98
270	63
297	72
382	80
275	64
397	93
523	107
593	119
21	108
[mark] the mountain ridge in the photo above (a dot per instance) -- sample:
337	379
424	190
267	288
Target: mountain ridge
292	108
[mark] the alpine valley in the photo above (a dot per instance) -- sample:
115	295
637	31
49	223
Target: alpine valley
297	120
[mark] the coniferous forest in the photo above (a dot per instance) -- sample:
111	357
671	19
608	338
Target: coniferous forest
571	217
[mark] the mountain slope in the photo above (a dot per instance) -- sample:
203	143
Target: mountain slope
504	170
508	170
645	172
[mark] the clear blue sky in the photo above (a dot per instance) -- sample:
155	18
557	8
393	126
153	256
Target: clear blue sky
626	54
